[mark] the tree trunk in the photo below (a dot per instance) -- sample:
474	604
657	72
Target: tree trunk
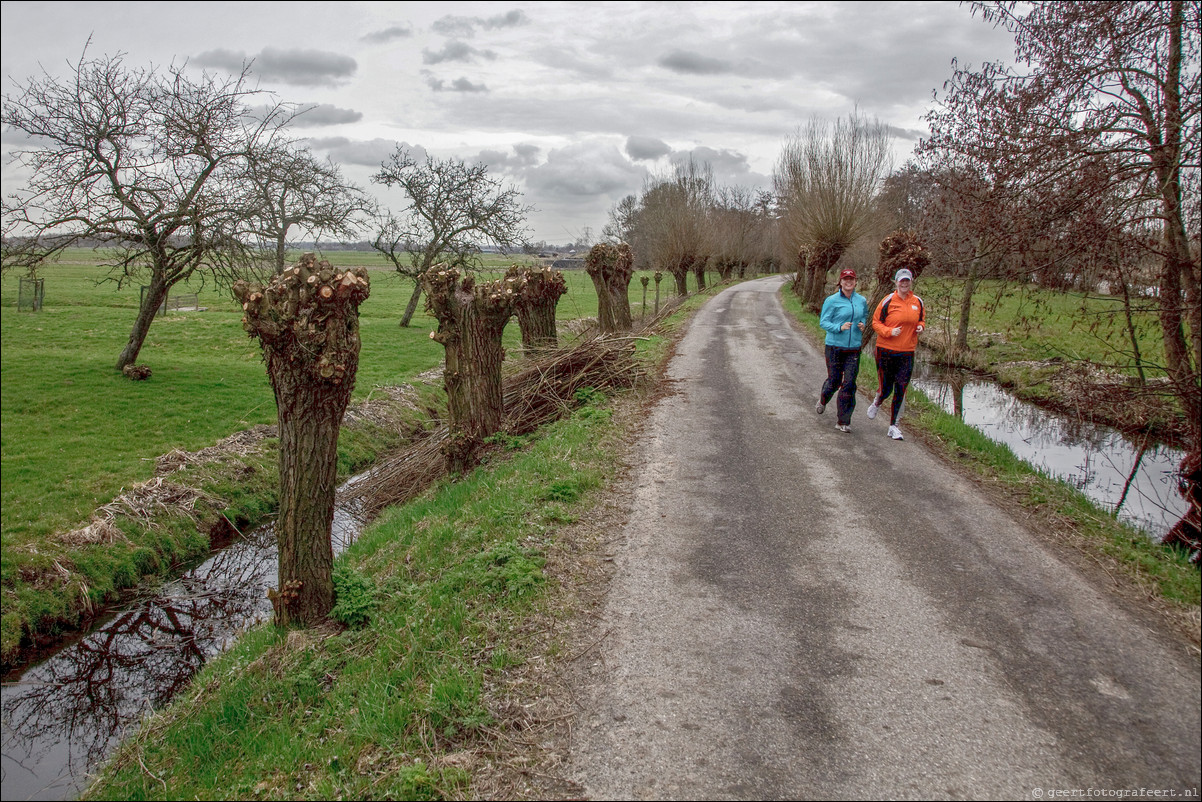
307	322
281	254
824	259
611	268
471	319
151	301
411	307
537	294
699	273
970	286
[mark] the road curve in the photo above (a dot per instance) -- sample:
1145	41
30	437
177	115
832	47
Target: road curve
798	613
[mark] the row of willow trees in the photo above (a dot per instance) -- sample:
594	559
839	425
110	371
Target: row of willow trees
306	320
1075	169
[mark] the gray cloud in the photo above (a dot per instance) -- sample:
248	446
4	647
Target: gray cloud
297	66
646	148
455	51
387	35
326	114
694	63
519	158
458	85
585	170
369	153
451	25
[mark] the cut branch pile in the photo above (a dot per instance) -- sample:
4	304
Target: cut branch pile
540	392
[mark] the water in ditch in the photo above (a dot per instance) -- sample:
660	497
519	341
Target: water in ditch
1132	479
62	716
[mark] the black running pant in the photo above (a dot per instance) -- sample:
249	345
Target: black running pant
893	370
842	367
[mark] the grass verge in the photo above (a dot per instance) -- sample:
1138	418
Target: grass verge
1053	508
439	595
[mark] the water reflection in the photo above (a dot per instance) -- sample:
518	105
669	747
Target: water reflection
62	716
1133	479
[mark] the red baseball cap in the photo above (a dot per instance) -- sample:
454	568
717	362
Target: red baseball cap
847	273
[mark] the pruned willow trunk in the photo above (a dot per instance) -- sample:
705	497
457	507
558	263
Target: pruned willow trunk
899	249
680	273
307	323
823	257
471	318
611	268
536	294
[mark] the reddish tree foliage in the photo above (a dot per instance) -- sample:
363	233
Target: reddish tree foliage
1105	100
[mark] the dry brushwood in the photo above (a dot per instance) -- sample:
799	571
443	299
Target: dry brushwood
540	392
137	373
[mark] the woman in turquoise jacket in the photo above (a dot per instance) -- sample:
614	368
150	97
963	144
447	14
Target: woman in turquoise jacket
844	315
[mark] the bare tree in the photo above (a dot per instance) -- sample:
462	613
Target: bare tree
536	294
826	181
1115	85
141	160
622	220
454	209
672	224
288	187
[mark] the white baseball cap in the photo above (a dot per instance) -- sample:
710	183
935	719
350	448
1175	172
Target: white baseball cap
903	273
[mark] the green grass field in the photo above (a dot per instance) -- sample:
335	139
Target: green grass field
75	431
1011	323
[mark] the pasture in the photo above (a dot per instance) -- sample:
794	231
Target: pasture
75	431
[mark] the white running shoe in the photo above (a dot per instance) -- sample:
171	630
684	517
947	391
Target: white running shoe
895	433
820	407
843	427
872	410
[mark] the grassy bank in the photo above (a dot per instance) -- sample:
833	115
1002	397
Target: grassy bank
76	434
1051	506
405	703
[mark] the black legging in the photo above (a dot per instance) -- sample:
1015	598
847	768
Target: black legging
842	365
893	370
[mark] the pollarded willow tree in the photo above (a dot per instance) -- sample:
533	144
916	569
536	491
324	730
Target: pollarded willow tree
826	180
1111	85
901	249
307	323
145	162
536	294
471	319
611	268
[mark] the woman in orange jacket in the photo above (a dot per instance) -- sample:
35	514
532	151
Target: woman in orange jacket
898	320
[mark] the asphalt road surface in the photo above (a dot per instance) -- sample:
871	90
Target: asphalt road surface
799	613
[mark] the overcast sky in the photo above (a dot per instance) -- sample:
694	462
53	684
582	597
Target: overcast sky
574	103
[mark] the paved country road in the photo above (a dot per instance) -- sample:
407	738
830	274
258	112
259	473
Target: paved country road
801	613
